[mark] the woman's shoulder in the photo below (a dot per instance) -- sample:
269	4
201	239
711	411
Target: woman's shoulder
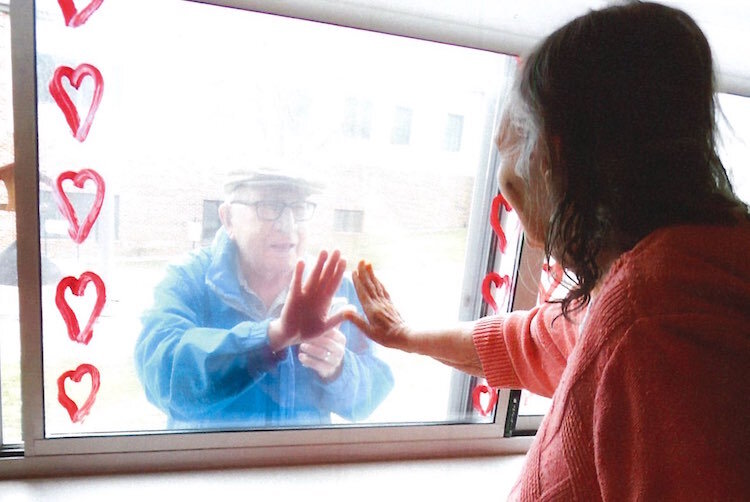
683	271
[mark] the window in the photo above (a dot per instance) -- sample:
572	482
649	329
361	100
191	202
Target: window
348	220
401	132
131	186
357	118
114	222
454	128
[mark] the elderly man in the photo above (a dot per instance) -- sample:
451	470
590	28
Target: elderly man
240	335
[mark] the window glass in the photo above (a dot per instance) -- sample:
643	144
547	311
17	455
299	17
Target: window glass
734	144
148	322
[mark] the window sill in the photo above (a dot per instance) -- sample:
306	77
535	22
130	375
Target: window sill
436	479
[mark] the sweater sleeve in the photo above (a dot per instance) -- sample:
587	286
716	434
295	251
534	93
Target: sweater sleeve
525	349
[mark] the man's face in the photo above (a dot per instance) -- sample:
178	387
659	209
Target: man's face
265	245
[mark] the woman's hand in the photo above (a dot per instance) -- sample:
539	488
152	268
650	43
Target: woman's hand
385	325
305	312
451	345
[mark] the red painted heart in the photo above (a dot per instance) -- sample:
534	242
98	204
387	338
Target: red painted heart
73	17
498	201
476	397
60	95
78	414
79	232
498	281
78	286
555	274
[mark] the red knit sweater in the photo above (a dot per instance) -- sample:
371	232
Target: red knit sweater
651	399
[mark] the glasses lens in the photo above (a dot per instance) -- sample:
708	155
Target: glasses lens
269	211
303	211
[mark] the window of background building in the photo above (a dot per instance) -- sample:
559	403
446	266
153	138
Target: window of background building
348	220
401	132
454	128
357	118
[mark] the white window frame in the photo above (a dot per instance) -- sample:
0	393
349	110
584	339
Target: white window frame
131	453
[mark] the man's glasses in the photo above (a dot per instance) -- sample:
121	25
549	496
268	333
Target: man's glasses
271	210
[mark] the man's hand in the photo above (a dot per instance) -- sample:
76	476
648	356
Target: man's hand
305	312
324	354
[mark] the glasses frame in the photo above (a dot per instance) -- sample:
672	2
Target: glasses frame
308	207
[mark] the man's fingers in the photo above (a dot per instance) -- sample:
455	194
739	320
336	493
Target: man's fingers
335	279
329	266
296	286
314	277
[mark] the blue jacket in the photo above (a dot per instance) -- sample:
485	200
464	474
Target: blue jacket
204	359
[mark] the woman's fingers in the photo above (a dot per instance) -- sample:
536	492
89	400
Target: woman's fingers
343	314
377	286
359	321
367	280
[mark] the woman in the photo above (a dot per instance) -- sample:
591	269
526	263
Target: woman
609	159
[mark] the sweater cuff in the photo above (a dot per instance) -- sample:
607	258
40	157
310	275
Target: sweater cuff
489	343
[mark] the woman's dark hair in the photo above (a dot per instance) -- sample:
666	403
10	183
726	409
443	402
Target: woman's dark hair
624	98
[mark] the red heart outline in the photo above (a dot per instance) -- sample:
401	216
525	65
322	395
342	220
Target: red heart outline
499	281
498	201
556	272
79	232
78	414
476	396
73	18
60	95
78	286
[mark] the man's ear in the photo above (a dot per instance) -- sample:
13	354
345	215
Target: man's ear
225	215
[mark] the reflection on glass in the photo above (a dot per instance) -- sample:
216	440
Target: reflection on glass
179	115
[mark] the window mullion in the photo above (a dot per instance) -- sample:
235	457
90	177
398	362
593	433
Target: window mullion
27	220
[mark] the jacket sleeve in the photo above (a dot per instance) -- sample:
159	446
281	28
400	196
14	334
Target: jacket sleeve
364	381
526	349
190	371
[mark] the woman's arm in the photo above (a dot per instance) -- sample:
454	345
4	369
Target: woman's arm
453	345
522	349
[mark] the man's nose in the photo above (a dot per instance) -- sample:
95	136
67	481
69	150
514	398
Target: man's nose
285	221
